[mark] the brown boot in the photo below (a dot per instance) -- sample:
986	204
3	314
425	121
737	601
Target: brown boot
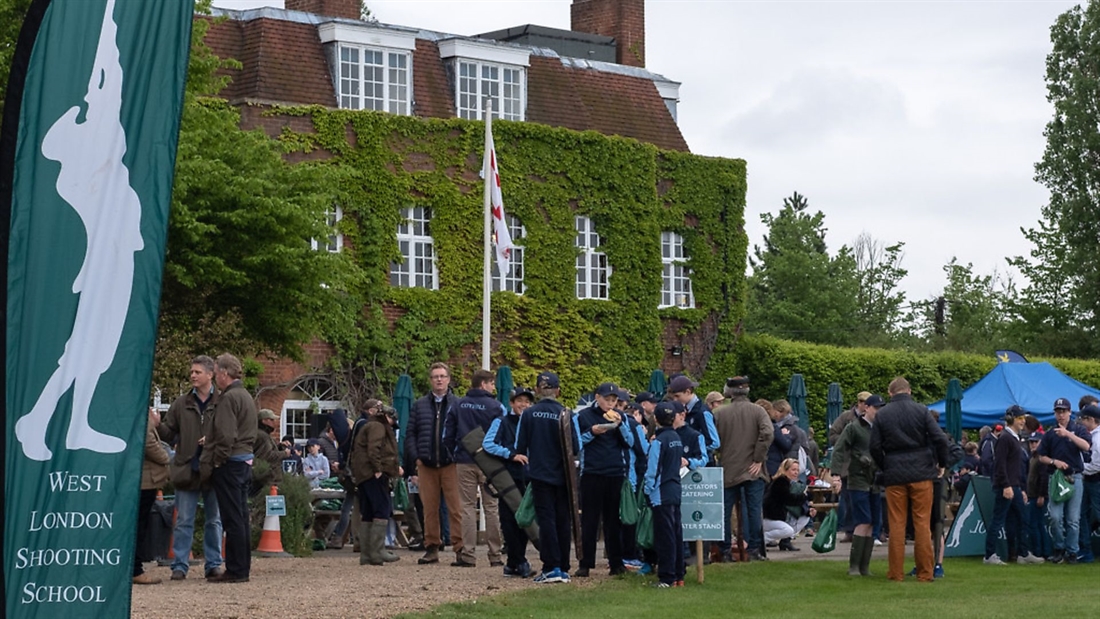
146	579
431	555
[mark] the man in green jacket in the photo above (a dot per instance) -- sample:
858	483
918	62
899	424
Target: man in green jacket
853	451
183	427
227	461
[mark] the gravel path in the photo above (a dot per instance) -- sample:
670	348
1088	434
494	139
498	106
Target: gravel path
332	584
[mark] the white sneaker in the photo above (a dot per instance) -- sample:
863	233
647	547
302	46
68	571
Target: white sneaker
1029	559
878	542
993	560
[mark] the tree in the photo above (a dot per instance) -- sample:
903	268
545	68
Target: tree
240	273
972	314
797	290
1059	306
878	299
11	21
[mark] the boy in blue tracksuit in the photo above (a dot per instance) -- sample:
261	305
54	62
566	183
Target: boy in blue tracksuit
539	438
662	487
500	441
605	441
637	456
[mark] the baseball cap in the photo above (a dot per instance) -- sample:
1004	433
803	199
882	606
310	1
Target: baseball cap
874	400
713	397
548	380
998	428
1035	436
267	413
1013	412
1091	410
1062	403
520	392
645	396
665	412
681	384
734	382
623	395
607	389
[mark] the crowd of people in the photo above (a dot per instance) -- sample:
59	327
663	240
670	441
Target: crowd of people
890	465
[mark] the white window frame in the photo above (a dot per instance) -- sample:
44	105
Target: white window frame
418	261
295	416
481	54
676	290
493	81
593	271
513	280
334	242
395	81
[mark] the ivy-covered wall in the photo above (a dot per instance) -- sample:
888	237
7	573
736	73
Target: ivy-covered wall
632	191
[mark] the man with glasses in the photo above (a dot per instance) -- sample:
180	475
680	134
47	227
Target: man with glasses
435	469
1061	449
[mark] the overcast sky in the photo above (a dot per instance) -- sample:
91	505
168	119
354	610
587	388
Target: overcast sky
913	121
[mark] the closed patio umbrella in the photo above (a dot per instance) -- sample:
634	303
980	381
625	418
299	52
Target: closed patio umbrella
835	404
796	396
657	384
402	402
953	409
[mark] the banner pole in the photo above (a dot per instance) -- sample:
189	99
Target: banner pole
487	278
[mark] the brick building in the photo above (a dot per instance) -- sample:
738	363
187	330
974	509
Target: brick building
593	77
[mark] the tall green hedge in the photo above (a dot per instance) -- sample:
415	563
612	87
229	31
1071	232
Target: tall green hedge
770	362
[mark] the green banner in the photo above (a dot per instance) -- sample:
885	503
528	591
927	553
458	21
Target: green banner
99	89
967	535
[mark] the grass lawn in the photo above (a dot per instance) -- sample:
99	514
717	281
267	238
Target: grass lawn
811	590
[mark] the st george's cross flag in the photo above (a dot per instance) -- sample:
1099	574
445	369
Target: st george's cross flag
500	225
87	157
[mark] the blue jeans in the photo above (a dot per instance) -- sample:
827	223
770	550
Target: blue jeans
1011	515
1038	534
752	514
1065	518
187	503
1090	515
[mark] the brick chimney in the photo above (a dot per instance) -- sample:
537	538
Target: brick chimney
348	9
622	19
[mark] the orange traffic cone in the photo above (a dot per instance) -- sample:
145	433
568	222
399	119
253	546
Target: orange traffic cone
271	540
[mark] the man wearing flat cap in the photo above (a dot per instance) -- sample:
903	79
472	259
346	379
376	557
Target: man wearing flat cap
266	448
1009	493
745	431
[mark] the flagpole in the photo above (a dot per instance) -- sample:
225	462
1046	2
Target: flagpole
487	278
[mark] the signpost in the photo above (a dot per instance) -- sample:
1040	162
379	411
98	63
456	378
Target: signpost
702	514
276	505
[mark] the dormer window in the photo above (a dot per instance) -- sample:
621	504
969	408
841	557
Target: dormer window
484	70
372	66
